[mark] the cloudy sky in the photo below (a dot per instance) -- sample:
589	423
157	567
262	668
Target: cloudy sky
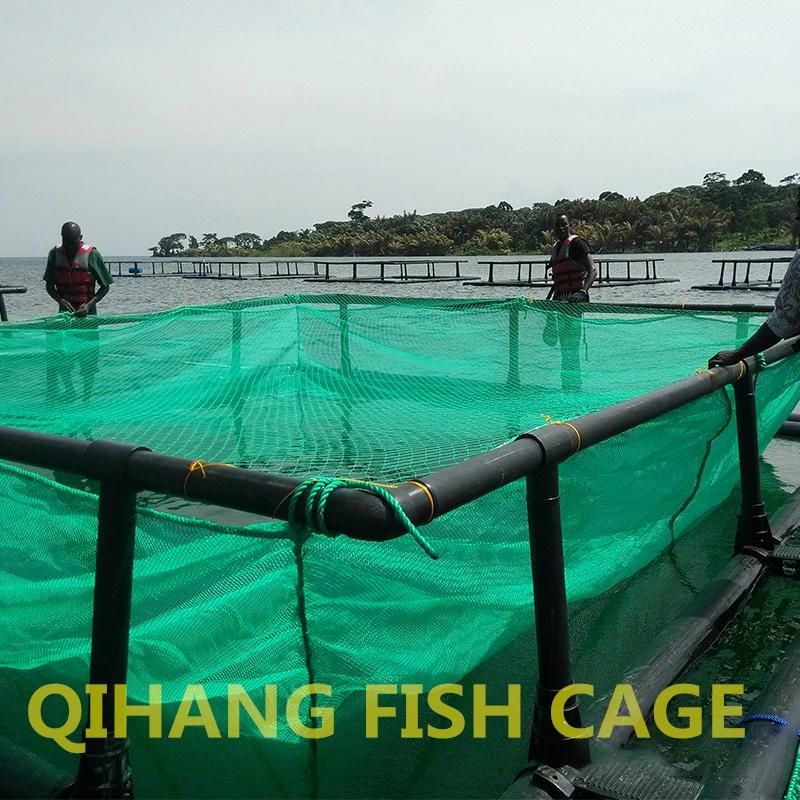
139	119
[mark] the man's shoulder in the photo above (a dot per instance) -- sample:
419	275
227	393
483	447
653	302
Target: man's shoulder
580	245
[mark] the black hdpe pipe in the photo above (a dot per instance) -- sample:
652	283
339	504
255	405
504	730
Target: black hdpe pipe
360	514
737	307
363	515
696	628
791	428
761	766
104	770
547	745
753	526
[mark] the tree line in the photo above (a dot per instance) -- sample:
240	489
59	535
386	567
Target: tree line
719	214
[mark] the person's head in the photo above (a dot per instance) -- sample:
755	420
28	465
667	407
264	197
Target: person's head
71	235
561	227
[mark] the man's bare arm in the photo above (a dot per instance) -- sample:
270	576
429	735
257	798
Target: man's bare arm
86	307
591	272
63	304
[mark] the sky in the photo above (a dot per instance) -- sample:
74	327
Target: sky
140	119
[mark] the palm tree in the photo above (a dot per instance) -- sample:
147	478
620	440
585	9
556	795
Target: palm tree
706	228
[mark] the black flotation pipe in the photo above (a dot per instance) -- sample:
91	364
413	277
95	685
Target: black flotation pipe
762	765
791	428
697	626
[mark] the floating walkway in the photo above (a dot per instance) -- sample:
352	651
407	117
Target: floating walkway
271	269
768	285
604	276
4	290
264	270
398	271
389	270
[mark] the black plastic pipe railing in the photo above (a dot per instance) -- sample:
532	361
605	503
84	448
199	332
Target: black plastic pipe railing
552	632
697	627
360	514
753	527
105	764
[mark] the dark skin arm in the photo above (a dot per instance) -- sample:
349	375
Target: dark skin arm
83	310
591	272
63	305
761	340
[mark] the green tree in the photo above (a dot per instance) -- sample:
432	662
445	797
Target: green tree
611	196
171	245
356	212
751	176
248	241
715	179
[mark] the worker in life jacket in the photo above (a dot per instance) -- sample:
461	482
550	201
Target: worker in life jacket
571	264
73	271
573	274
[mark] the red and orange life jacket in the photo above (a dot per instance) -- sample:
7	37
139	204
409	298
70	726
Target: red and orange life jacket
568	275
74	281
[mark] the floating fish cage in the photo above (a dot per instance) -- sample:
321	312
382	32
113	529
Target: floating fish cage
342	546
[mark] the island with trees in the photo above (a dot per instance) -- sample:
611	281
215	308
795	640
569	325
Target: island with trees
719	214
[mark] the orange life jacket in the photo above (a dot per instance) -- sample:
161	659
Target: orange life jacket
568	275
74	281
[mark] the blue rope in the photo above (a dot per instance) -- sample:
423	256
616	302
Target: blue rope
766	718
318	490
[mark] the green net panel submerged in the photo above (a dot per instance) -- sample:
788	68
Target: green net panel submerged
384	390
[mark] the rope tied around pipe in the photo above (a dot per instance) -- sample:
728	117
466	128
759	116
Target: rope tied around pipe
550	421
713	376
198	465
319	490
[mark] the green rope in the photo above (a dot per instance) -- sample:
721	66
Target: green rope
761	362
318	490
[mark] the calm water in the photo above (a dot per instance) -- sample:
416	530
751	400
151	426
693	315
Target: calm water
131	295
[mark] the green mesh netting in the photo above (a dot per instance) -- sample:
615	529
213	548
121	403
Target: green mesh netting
384	390
793	792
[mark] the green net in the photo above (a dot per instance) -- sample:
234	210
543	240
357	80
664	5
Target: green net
383	390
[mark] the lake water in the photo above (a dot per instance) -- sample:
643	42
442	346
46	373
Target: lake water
131	295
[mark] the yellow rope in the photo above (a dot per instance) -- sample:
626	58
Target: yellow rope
714	378
200	466
742	370
551	421
429	495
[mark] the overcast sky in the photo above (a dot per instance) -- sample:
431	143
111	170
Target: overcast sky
139	119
